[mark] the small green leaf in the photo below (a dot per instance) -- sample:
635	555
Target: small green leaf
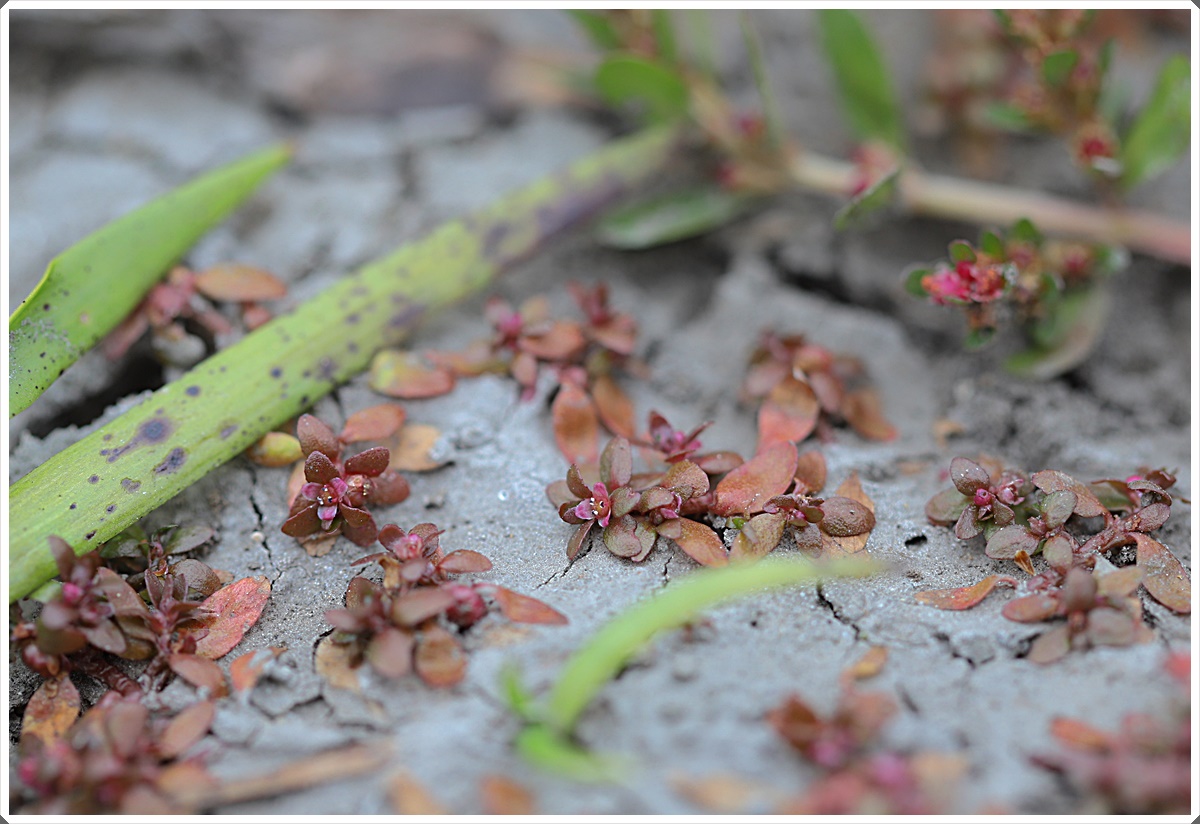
1025	232
519	700
626	78
962	250
1162	130
670	217
877	196
1007	117
991	245
90	288
979	338
1072	333
863	80
543	747
598	28
912	281
1057	66
664	34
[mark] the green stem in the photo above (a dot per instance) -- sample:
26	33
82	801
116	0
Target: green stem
989	204
598	662
105	482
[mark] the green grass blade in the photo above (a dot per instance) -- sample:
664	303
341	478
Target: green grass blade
862	77
1162	129
90	288
97	487
602	657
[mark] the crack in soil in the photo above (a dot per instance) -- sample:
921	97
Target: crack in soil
261	525
824	601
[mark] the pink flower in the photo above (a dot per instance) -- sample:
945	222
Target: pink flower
328	496
597	508
967	282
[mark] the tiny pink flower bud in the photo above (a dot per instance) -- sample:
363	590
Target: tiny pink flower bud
72	593
983	498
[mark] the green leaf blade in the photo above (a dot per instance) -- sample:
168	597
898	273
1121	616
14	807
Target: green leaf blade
627	78
862	77
91	287
182	431
670	218
1162	130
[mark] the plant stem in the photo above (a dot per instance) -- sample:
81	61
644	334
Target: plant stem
989	204
105	482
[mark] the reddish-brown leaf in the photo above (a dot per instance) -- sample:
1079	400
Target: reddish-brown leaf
475	360
560	342
1007	541
759	536
575	543
391	652
1030	609
746	489
718	463
525	610
1120	582
239	282
373	423
614	406
686	478
788	414
230	612
320	545
842	517
316	436
420	605
701	543
335	661
963	597
1086	503
400	374
1162	575
869	665
186	729
576	427
863	410
199	672
503	796
413	448
275	449
246	669
1078	735
409	797
440	660
371	462
1050	646
810	472
51	711
465	560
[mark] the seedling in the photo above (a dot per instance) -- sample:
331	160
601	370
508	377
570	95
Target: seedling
1023	517
332	501
396	625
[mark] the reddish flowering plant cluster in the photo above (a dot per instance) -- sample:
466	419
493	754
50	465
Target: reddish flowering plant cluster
1053	515
185	297
583	356
1144	768
760	498
1039	285
858	777
804	388
333	500
120	759
400	624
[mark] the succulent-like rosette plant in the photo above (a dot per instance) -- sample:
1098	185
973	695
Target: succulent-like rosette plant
334	498
804	388
978	502
396	626
631	513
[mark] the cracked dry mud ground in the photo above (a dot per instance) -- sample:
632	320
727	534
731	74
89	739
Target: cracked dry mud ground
110	109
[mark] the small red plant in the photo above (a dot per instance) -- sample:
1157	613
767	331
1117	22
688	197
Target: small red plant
185	295
333	500
1144	768
398	626
118	759
1049	514
804	388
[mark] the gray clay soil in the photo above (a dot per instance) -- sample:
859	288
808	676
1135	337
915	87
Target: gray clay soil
111	108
